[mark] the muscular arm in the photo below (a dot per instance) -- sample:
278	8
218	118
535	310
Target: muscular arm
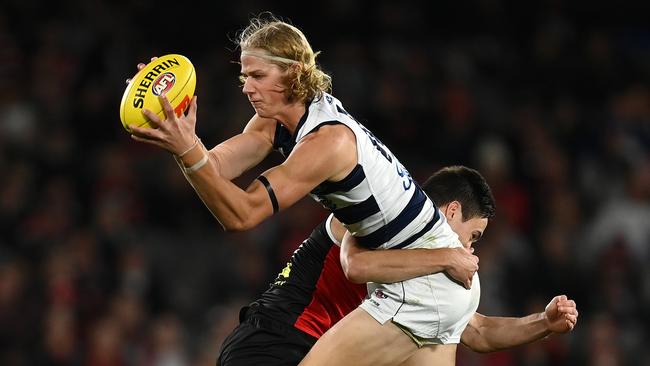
362	265
488	334
328	154
240	153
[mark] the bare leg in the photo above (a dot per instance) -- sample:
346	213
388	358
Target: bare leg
358	339
439	355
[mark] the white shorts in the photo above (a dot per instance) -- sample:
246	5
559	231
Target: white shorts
432	308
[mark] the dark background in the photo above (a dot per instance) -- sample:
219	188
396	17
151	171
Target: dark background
107	256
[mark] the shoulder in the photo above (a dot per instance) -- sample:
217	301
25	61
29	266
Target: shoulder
333	136
332	146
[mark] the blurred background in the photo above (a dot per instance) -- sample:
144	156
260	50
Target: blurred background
107	256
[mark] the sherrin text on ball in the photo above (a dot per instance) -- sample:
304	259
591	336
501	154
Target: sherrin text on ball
172	75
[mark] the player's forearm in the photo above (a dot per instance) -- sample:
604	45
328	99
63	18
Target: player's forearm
222	164
498	333
228	203
395	265
238	154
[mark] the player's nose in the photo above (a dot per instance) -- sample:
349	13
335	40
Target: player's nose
247	88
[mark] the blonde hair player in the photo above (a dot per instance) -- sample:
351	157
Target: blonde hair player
339	162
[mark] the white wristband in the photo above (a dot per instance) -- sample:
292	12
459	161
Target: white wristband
198	165
196	142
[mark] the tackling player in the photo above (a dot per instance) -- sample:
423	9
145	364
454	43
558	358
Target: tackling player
312	293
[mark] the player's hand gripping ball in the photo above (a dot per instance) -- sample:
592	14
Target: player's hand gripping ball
171	75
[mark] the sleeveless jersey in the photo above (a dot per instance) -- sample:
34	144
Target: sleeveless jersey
378	202
384	208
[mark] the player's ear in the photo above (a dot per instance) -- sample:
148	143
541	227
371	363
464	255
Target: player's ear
453	208
292	72
295	67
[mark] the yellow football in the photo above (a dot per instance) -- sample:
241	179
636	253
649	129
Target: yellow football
171	75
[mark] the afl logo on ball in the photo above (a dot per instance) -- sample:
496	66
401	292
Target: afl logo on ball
163	83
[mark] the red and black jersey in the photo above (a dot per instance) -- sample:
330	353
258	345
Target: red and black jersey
306	299
312	293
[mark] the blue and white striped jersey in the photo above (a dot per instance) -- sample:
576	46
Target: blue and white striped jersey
378	202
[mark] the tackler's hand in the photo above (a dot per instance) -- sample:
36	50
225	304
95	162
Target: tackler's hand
462	265
561	314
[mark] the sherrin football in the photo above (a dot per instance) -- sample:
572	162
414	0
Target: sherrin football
171	75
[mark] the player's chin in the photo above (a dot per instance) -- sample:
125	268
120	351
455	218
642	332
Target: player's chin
262	113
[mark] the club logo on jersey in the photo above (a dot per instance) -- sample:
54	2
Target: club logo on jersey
163	83
284	275
380	294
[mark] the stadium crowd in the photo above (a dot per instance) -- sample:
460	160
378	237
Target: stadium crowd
107	257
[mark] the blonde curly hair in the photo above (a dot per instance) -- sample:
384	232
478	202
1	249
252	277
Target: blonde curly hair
287	45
